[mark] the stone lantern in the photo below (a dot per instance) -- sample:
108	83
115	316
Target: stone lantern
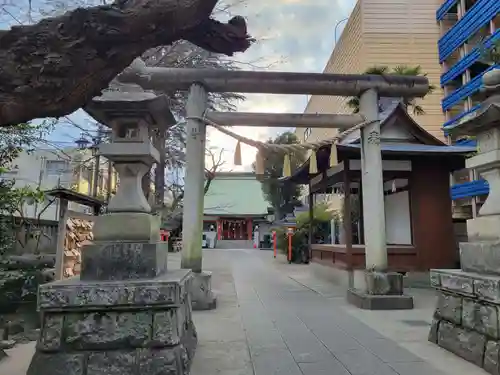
125	314
466	320
132	115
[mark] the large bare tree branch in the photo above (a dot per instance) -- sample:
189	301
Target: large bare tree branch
54	67
216	163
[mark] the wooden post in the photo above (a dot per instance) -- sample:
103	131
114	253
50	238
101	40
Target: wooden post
61	235
275	244
373	188
311	217
289	246
347	216
249	229
192	220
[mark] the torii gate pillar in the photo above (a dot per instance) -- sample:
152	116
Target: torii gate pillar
194	180
374	288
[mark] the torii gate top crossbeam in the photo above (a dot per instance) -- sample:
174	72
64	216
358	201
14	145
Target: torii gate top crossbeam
217	80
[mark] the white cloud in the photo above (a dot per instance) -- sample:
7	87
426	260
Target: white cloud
297	33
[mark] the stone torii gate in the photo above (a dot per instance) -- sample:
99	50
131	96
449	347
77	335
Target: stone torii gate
200	82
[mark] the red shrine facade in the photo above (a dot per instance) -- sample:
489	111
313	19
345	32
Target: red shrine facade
229	228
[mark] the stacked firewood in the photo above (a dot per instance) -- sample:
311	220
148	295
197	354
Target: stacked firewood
78	234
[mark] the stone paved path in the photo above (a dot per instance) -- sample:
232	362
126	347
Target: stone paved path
297	325
277	319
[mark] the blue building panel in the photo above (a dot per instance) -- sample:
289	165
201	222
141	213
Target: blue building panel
466	62
445	8
476	17
469	189
465	91
466	142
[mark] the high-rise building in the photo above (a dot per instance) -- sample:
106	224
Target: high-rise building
385	33
466	27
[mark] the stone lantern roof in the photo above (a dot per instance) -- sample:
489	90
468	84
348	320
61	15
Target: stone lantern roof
487	116
130	101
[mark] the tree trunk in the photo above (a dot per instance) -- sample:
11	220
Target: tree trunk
54	67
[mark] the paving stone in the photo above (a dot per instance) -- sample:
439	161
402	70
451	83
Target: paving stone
390	352
264	338
306	347
415	368
362	362
327	367
274	361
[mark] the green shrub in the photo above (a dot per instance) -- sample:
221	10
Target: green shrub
321	219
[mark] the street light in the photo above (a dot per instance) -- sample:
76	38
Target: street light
336	27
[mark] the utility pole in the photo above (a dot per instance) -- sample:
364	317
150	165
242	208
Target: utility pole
95	151
40	179
110	180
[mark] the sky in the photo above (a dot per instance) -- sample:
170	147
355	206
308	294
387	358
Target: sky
292	35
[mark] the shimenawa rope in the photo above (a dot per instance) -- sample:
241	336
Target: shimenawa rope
282	147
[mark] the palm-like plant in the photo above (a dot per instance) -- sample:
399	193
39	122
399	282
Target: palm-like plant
398	70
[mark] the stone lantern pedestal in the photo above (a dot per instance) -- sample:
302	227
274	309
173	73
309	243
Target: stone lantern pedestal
125	314
467	317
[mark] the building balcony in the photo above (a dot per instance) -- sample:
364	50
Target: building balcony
482	12
445	8
468	60
466	90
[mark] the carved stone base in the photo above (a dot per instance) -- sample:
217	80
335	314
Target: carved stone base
123	261
384	283
134	327
367	301
201	291
466	319
380	291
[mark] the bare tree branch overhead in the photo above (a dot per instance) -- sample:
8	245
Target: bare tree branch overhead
53	67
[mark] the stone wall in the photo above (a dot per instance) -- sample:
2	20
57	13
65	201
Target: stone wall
20	276
466	320
124	328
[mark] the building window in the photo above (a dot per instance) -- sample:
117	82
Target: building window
56	167
307	133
